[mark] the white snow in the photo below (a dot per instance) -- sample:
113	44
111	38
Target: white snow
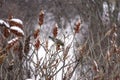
17	29
2	22
14	39
46	30
17	20
28	79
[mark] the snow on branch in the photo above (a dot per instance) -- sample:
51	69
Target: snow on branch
17	31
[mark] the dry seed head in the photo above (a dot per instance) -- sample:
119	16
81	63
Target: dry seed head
41	17
37	44
16	22
55	30
77	26
36	33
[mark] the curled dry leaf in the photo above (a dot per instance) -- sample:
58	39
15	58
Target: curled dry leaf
12	42
41	17
55	30
16	22
17	31
36	33
77	26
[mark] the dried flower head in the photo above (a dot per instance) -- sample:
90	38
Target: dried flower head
36	33
77	26
17	31
16	22
37	44
55	30
41	17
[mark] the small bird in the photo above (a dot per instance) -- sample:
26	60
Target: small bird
57	41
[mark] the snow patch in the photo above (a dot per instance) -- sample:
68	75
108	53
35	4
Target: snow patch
2	22
17	29
17	20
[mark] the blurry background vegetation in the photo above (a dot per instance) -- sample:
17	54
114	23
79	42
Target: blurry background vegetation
90	11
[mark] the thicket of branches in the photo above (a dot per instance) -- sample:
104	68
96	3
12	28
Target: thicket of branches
97	58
